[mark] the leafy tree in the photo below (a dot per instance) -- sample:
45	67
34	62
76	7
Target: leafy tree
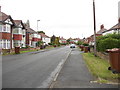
68	40
40	43
79	43
41	32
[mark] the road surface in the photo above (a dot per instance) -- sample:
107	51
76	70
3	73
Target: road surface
32	70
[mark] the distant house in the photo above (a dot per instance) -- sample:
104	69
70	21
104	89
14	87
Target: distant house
6	25
76	40
19	34
32	37
90	40
45	38
71	41
114	29
62	40
102	29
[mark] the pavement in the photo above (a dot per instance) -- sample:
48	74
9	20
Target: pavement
75	74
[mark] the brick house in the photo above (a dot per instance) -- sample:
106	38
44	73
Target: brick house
32	37
114	29
62	40
76	40
6	25
90	40
19	34
71	41
46	39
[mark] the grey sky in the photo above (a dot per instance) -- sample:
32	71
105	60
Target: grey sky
67	18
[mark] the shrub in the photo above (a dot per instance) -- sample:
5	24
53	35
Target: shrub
79	43
50	43
108	42
85	44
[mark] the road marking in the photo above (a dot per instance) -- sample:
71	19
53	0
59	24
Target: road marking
53	76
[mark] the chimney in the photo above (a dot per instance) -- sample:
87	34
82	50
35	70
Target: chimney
102	26
119	20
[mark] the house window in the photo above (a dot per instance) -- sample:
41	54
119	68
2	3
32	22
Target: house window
4	28
8	28
4	44
0	44
8	44
17	43
0	28
15	31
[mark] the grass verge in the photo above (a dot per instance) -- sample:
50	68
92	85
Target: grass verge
99	68
27	51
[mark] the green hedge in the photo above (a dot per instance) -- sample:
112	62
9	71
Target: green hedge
108	42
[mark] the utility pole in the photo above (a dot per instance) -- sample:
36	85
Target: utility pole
95	52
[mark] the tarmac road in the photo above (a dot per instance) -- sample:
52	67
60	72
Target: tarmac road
32	70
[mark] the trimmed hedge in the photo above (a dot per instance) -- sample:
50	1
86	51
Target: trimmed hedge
108	42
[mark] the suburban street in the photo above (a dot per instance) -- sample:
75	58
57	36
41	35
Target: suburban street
32	70
38	70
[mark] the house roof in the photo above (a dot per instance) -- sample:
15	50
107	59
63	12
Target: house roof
115	27
77	39
29	30
4	17
101	31
62	38
18	22
43	35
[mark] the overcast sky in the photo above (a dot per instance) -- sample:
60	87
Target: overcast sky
67	18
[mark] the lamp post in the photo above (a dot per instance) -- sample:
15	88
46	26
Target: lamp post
95	52
37	24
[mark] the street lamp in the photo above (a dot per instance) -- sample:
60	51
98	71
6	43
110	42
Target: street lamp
95	52
37	24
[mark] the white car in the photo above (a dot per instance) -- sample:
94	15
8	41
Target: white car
72	46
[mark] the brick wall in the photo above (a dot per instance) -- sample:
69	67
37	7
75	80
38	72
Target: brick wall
17	37
5	35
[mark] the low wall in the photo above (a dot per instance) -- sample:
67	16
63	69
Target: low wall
5	51
101	55
26	49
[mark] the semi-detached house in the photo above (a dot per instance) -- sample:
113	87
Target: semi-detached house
19	34
6	26
46	39
32	37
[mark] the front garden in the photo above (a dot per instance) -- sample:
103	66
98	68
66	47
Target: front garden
98	66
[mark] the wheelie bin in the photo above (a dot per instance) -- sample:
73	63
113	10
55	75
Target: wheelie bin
114	59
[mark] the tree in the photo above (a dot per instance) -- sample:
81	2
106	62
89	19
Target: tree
68	40
39	43
41	32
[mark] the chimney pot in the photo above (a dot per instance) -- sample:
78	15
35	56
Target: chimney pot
119	20
102	26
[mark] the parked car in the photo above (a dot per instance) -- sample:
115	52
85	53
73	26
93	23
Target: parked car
72	46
